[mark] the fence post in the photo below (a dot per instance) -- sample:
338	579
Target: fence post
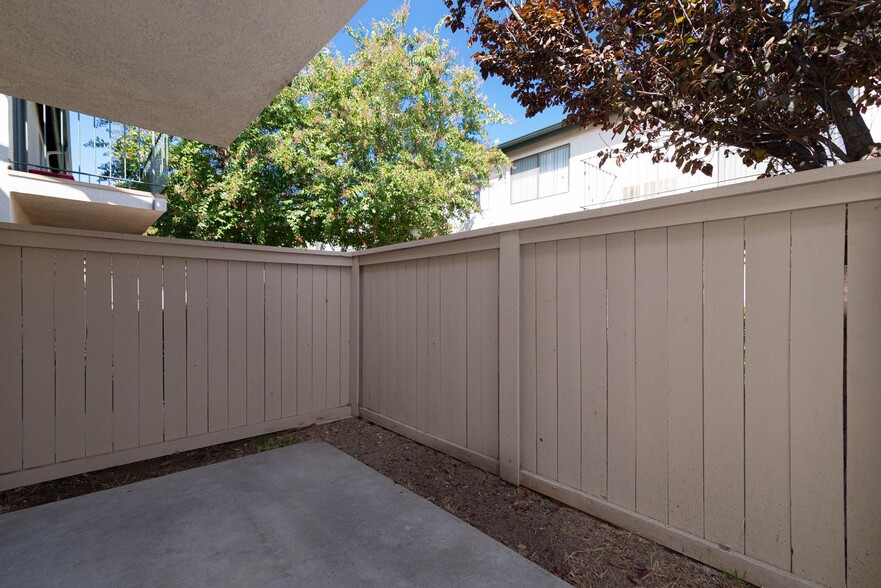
509	357
355	339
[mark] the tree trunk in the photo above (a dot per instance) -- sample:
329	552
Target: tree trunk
855	133
796	155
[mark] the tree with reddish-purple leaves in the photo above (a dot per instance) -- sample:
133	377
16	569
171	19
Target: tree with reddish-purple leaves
784	83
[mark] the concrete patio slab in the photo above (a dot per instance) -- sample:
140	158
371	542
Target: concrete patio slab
304	515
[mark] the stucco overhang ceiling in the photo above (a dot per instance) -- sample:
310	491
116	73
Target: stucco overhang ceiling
201	69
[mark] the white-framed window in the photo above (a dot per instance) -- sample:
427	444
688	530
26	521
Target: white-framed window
540	175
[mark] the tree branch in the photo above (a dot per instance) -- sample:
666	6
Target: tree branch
544	49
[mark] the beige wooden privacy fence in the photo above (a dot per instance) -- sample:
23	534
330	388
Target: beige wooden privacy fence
677	367
703	369
115	349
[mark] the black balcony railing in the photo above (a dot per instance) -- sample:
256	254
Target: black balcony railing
85	148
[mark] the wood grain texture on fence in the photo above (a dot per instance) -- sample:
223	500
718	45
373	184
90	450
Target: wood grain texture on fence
766	387
594	361
10	359
107	354
651	374
70	366
528	438
711	396
816	403
685	378
723	383
430	346
621	440
863	480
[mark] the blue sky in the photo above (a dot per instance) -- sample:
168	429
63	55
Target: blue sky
425	14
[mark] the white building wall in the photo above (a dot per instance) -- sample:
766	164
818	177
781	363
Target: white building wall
5	156
591	186
495	201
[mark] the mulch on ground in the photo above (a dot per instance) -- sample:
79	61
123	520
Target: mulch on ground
578	548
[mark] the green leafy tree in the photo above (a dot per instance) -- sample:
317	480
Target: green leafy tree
384	146
770	80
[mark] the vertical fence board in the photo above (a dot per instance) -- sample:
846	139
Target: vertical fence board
723	382
546	359
10	359
411	395
489	373
434	380
389	303
150	405
816	366
400	349
237	309
256	353
218	347
38	369
685	431
446	349
174	337
350	355
863	398
126	421
395	332
197	347
368	336
422	345
766	387
593	364
474	333
366	364
288	340
651	373
319	338
272	342
391	394
622	370
380	342
382	352
386	330
508	350
304	339
528	372
385	355
459	319
70	367
334	333
569	362
385	333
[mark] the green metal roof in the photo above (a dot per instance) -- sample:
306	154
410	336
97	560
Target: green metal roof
535	136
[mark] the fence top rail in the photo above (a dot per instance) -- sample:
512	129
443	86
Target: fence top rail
780	187
82	240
